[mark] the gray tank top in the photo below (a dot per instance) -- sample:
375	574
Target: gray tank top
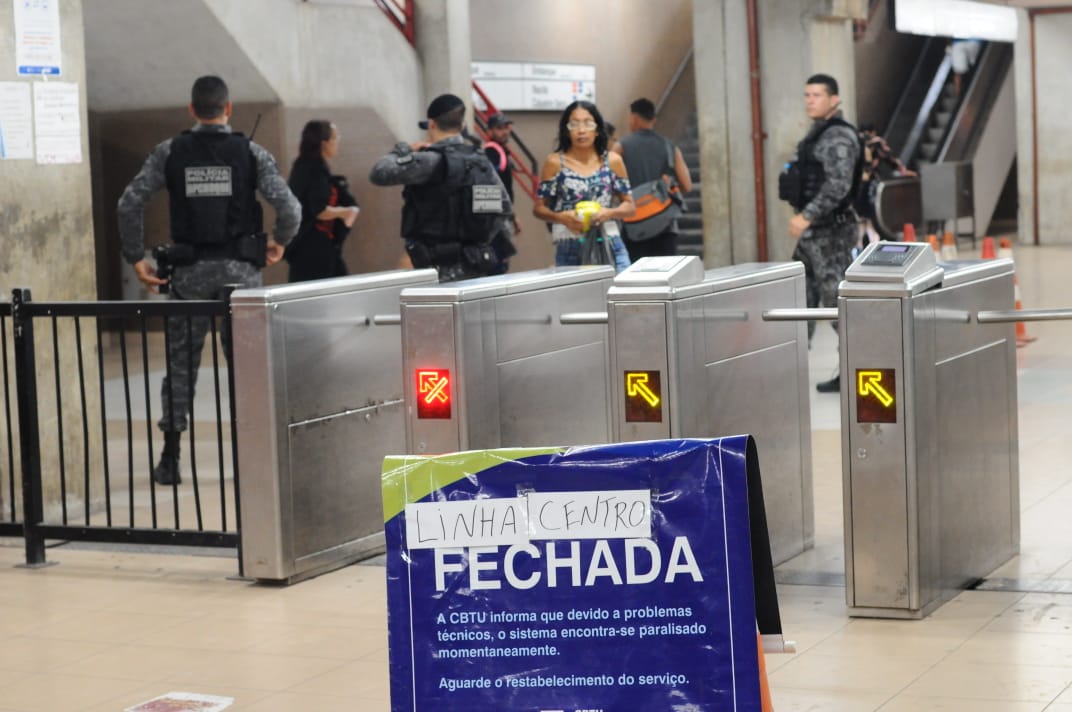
647	156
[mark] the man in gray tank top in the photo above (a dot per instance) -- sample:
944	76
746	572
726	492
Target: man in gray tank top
649	156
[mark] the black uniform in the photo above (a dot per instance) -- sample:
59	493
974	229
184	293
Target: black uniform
829	165
431	214
211	175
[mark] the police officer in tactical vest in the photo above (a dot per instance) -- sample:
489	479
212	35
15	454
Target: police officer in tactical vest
821	185
454	201
211	174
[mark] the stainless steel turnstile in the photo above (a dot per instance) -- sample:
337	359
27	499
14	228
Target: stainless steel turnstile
929	431
692	357
318	393
488	364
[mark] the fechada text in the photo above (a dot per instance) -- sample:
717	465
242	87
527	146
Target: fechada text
621	562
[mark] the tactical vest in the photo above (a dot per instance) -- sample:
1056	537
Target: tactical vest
211	179
812	174
436	212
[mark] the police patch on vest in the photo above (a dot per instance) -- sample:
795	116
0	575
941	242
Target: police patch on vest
487	199
208	181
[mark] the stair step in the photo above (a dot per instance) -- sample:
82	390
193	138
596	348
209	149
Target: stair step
690	221
934	134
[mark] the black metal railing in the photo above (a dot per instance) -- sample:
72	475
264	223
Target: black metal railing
84	379
10	514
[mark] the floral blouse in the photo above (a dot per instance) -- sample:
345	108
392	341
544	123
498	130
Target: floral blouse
568	187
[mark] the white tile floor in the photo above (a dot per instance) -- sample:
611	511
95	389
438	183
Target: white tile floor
104	630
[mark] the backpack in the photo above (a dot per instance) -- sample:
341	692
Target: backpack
472	201
658	205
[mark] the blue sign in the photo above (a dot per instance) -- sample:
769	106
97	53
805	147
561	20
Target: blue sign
611	578
27	70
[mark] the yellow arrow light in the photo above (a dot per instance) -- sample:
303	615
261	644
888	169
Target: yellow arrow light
870	382
636	384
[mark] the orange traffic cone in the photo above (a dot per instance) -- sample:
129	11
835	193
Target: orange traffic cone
949	247
988	248
764	685
932	240
909	233
1022	337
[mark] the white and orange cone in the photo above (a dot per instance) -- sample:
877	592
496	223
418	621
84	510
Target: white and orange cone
948	252
1022	337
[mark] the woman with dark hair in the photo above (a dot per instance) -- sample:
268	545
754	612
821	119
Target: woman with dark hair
582	171
328	208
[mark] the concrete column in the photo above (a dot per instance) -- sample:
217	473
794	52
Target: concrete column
1043	141
46	219
1023	69
46	225
443	45
797	38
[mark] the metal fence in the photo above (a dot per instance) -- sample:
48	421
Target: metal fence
86	379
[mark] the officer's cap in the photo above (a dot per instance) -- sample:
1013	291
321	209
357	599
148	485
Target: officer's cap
442	104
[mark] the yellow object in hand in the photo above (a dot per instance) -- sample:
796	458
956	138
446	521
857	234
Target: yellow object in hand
585	210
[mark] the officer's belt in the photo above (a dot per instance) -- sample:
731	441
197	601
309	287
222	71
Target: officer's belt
841	218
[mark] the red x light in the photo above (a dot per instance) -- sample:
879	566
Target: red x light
433	393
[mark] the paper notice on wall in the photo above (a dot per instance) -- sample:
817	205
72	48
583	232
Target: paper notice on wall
57	122
37	37
16	121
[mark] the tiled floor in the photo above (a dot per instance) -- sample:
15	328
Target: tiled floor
104	630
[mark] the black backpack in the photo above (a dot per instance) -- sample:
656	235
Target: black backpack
466	205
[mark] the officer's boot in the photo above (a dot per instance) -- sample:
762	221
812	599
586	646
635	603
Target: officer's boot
167	472
831	386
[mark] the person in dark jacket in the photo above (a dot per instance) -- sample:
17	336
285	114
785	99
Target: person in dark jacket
828	166
212	175
328	208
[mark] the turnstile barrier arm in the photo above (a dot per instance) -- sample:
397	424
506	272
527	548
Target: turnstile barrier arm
807	314
1011	315
387	319
584	318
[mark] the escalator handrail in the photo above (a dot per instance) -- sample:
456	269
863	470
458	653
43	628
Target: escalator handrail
891	186
964	129
913	80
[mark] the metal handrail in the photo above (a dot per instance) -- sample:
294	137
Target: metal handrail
531	180
401	16
674	79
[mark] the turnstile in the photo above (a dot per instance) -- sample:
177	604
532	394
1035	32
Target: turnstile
692	357
929	431
488	364
318	394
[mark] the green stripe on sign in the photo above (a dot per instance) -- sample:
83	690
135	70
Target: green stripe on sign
410	478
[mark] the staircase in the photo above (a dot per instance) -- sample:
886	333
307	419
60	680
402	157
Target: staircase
690	224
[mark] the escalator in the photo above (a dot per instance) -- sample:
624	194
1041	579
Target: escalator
933	128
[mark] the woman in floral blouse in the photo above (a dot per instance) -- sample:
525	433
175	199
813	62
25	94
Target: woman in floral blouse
582	169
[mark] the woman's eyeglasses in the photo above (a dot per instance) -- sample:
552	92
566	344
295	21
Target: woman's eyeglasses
587	124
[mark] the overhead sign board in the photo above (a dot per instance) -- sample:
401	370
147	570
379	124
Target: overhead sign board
534	86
